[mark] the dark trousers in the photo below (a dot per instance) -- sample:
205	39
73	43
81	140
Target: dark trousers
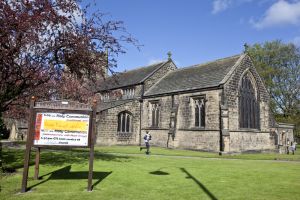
147	147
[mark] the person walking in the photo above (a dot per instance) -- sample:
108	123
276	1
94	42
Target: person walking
293	147
147	139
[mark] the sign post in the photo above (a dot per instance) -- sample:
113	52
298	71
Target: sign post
37	163
28	146
93	138
63	124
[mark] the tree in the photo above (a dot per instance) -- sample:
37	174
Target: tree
38	39
279	66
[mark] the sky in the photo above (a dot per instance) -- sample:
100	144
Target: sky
198	31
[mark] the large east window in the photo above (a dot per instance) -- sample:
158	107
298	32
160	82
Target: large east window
124	122
248	104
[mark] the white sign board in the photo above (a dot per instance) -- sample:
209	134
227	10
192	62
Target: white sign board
61	129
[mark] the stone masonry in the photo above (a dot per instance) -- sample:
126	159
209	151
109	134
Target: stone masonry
173	92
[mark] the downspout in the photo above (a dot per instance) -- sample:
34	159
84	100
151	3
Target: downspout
141	107
221	123
224	124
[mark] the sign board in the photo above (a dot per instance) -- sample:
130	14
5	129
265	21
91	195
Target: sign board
62	129
59	123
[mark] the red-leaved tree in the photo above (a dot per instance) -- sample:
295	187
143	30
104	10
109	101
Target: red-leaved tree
54	49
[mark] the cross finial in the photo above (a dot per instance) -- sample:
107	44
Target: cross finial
246	46
169	55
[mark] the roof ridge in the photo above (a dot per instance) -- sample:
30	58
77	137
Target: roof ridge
161	65
141	67
206	63
237	63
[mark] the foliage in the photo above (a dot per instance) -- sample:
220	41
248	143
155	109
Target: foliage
63	175
54	49
4	133
279	66
292	120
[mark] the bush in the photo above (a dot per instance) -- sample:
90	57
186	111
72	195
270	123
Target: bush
4	133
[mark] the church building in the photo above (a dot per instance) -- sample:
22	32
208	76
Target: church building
219	106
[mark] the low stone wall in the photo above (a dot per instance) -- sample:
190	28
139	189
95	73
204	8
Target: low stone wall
250	141
195	140
159	137
199	140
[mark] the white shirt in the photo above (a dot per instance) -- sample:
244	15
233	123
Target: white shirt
147	137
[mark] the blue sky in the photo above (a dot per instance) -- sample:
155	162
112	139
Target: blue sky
197	31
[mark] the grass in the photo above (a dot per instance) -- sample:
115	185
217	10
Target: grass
172	152
126	173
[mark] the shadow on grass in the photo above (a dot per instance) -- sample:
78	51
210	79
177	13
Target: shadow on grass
66	174
159	172
14	158
199	184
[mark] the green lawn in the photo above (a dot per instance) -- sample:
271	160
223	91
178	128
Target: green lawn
126	173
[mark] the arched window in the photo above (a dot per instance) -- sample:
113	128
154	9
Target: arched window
199	112
124	122
155	113
248	104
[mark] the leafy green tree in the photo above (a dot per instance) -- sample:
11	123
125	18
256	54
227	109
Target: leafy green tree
279	66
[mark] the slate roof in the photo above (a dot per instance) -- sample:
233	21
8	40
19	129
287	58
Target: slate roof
131	77
200	76
111	104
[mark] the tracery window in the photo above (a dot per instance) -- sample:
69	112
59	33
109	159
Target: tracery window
128	93
155	113
124	122
105	96
199	105
248	104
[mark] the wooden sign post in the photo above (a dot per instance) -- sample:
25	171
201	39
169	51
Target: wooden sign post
60	124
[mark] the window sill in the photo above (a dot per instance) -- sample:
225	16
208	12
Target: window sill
249	130
155	128
129	133
197	129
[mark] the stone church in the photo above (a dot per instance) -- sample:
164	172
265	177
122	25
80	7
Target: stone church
219	106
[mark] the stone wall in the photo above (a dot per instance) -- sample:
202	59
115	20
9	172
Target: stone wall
199	140
247	139
287	130
159	137
169	66
250	141
117	94
231	89
186	135
17	128
108	119
212	111
107	125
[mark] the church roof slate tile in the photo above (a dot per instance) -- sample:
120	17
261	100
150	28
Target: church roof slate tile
199	76
112	104
131	77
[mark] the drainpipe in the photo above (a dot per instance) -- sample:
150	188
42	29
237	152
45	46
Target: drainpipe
224	122
220	120
141	107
